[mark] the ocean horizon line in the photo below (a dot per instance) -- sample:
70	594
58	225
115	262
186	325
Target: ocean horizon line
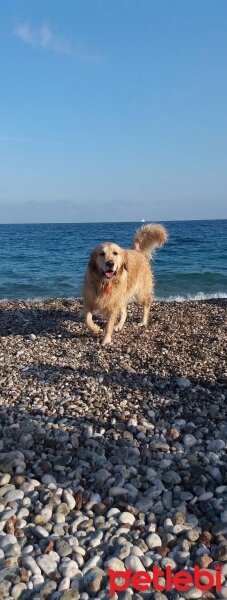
142	221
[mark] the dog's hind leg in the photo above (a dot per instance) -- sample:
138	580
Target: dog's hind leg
146	310
123	318
90	323
145	299
144	295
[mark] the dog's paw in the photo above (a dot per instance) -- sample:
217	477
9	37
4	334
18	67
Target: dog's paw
142	324
118	328
107	341
96	329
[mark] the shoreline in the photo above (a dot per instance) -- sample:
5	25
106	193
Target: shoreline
198	297
114	457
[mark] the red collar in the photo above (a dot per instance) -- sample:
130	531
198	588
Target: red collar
107	288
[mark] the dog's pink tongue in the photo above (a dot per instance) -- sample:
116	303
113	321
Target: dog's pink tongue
109	274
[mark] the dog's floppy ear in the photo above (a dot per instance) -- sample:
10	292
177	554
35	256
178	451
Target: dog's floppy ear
125	261
92	261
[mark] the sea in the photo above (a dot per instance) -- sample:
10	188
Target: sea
44	261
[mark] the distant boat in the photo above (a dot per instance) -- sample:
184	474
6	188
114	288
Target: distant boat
142	220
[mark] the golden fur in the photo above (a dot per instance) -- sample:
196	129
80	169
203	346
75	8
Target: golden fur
115	276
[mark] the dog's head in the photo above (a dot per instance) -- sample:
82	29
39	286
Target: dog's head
108	259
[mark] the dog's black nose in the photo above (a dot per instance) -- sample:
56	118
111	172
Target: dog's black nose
110	263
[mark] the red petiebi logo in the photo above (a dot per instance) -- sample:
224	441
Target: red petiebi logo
181	581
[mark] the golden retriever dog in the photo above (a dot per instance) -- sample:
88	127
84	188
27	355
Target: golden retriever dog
116	276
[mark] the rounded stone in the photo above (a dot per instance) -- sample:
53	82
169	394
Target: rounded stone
153	540
68	498
41	532
29	563
127	517
92	580
171	477
189	440
14	495
17	590
46	564
192	535
100	509
204	561
47	479
115	564
70	595
179	518
205	497
221	552
63	548
183	382
133	562
68	569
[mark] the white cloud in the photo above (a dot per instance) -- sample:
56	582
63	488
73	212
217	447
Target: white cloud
46	39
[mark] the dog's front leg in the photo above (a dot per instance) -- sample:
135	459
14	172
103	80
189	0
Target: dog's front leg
90	323
111	320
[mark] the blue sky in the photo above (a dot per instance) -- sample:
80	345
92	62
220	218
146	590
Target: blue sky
113	110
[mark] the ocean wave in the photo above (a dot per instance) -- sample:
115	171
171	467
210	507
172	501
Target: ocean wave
191	297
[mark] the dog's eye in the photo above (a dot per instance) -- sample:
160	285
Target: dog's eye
102	254
115	253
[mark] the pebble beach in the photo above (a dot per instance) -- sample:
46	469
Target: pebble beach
115	457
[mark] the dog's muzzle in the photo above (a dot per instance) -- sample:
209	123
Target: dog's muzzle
109	269
109	274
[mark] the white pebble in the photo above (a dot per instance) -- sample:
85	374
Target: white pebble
127	517
41	532
14	495
68	569
64	584
115	564
38	581
79	559
134	562
8	541
68	498
17	590
46	564
27	549
30	564
4	479
46	513
153	540
96	561
96	539
21	523
136	551
113	512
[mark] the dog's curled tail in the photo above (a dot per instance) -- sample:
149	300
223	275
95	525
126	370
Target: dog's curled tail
149	237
